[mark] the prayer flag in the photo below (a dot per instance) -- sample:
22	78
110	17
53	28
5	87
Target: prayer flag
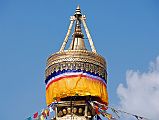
109	116
41	117
35	115
98	117
29	118
138	117
104	107
44	114
116	112
50	109
96	109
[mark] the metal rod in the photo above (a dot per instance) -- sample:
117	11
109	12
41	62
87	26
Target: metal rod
67	35
88	35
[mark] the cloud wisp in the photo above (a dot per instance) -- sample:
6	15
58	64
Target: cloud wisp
141	93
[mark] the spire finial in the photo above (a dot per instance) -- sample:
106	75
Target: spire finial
78	11
78	7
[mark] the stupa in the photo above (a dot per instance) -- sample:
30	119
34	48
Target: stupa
76	75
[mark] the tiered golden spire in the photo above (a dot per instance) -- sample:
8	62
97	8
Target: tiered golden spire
77	41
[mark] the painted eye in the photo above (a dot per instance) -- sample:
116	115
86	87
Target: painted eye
60	114
80	110
69	110
64	111
74	110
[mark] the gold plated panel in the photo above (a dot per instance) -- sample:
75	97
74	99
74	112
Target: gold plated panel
76	59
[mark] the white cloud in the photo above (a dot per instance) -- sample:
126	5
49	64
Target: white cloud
141	93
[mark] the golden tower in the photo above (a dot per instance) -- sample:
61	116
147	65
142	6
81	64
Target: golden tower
76	75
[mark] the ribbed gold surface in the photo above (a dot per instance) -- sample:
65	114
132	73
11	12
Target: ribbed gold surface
76	59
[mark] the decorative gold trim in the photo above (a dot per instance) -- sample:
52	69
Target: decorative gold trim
76	59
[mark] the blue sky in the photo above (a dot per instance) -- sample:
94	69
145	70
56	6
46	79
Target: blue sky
125	32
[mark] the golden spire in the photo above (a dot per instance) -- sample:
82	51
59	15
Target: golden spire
77	41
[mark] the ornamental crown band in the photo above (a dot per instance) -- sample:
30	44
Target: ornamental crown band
76	59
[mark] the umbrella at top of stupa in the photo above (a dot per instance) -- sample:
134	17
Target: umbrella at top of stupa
76	71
